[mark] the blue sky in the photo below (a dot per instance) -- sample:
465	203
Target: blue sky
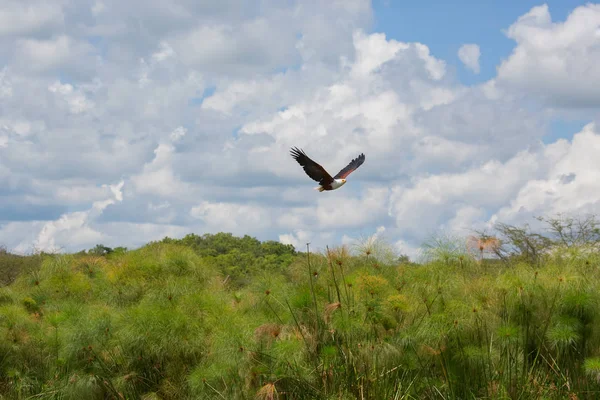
125	122
445	25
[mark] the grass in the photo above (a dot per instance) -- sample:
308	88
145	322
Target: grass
196	318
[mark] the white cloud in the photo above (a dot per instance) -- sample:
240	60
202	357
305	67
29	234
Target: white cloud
73	228
177	134
231	217
60	52
362	111
74	193
237	92
373	51
569	184
426	204
343	211
44	54
208	45
430	149
558	178
338	211
404	248
165	52
5	86
299	238
435	67
21	128
469	55
158	177
19	18
98	7
117	190
196	105
556	61
76	101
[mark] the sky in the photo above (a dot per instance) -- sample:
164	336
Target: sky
125	122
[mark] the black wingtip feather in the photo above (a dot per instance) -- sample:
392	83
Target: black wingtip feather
296	152
352	166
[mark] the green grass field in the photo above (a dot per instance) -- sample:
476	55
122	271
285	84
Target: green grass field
220	317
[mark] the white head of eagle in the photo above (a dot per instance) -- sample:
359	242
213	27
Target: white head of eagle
318	173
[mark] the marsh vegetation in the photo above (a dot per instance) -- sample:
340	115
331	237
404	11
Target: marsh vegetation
510	316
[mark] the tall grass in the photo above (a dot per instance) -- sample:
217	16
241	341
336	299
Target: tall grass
166	322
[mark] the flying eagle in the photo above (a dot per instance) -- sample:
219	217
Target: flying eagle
318	173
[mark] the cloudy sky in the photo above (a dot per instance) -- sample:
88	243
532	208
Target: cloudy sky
123	122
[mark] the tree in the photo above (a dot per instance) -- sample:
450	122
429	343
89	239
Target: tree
573	231
403	259
100	250
521	243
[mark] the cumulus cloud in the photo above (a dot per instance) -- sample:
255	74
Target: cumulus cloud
343	211
423	205
556	61
73	228
19	18
557	178
242	92
157	176
300	238
231	217
567	185
469	55
195	106
75	101
370	108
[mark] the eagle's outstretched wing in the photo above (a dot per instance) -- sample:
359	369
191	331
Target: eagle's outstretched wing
312	169
348	169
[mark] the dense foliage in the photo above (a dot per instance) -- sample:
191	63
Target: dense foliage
238	259
11	265
222	317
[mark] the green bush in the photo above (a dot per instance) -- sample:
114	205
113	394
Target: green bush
217	316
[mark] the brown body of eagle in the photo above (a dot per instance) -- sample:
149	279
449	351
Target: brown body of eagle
318	173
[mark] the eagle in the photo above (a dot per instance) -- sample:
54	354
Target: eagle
318	173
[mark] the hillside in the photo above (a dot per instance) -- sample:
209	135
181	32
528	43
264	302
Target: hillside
216	316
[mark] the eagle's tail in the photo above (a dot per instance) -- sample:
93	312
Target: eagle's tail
320	188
